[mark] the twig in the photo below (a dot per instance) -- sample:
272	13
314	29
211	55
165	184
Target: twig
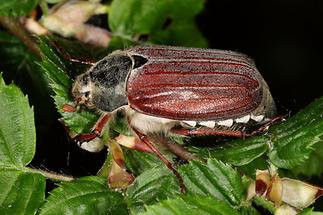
16	28
52	175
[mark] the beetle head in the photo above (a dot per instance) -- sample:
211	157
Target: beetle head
82	90
102	87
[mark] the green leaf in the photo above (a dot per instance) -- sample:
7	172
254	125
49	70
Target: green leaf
293	140
130	17
120	124
20	192
313	166
78	122
151	186
138	162
250	169
14	54
214	179
17	7
249	211
309	211
53	1
19	65
191	205
17	127
55	69
306	211
177	34
163	21
87	195
261	201
237	152
118	42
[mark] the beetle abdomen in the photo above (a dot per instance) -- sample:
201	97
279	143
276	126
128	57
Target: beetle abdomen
194	84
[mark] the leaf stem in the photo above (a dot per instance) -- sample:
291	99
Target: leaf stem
260	201
52	175
44	7
16	28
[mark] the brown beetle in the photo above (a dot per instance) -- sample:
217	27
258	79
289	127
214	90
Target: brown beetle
186	91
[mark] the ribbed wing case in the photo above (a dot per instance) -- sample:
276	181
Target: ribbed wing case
193	84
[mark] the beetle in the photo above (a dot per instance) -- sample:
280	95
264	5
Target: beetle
165	89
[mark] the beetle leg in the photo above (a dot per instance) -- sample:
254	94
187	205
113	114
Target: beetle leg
91	141
208	131
169	165
132	142
100	124
173	147
265	126
227	133
68	108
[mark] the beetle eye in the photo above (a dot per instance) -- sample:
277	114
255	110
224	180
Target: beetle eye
85	79
87	94
139	61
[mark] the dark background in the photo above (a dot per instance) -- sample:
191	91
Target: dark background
283	36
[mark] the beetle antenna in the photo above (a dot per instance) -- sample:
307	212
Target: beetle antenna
68	57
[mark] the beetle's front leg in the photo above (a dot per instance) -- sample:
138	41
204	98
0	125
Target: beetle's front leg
91	141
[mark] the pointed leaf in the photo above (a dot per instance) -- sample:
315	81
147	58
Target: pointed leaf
316	213
15	56
17	127
20	192
18	63
214	179
313	166
151	186
176	34
249	211
261	201
307	211
250	169
161	21
293	140
55	69
237	152
17	7
191	205
138	162
88	195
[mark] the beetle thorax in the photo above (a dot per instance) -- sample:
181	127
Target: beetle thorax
102	87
